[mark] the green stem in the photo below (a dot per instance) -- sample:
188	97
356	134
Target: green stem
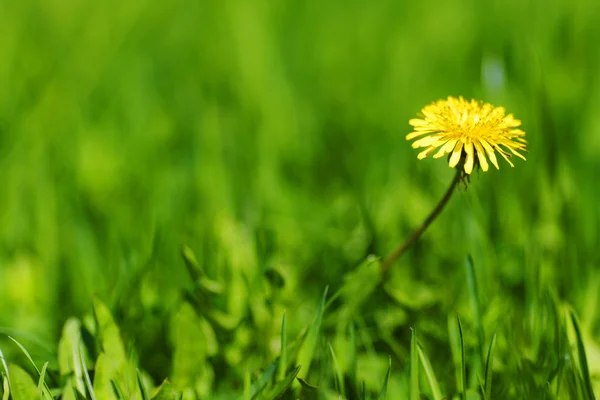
395	255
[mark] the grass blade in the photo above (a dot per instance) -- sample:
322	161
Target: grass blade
22	386
309	345
247	386
558	332
414	367
455	350
476	305
4	366
88	381
264	379
583	365
5	387
488	369
283	385
282	365
166	392
68	353
191	263
433	382
310	391
141	385
117	389
573	385
42	381
463	367
45	388
337	374
352	358
383	392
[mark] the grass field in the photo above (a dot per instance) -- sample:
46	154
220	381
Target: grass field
202	190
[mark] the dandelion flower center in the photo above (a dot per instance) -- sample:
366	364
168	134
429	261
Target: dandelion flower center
465	129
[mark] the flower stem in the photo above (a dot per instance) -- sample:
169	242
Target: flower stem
395	255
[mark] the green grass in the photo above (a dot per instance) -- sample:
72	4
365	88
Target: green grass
201	191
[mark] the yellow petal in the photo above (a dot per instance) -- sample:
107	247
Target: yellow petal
511	121
426	152
470	159
481	155
504	154
516	153
455	157
418	122
446	148
426	141
415	134
490	152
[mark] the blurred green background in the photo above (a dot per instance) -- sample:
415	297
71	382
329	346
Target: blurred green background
268	137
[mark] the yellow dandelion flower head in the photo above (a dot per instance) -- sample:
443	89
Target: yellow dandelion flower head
464	128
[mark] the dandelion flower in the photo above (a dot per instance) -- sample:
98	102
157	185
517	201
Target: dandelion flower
462	129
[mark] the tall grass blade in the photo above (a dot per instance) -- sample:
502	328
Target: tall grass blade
573	385
454	338
583	364
383	392
141	385
489	364
337	373
414	367
5	387
559	339
264	379
117	389
22	387
282	365
476	305
166	392
68	354
191	263
45	388
310	391
4	366
352	358
433	382
307	350
86	374
42	381
463	366
283	385
247	386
